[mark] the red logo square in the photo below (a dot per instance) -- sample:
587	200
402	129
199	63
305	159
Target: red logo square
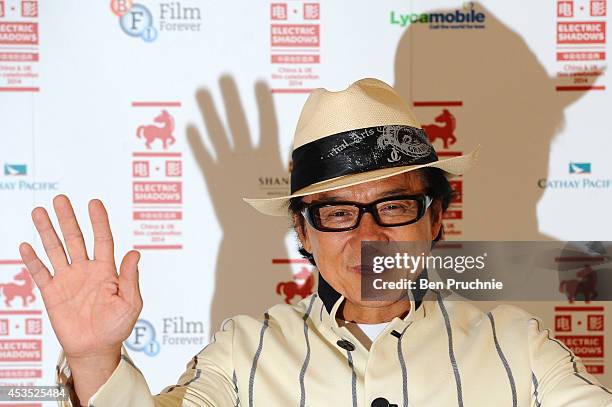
278	11
565	8
563	323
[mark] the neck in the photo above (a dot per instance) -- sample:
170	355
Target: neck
360	314
329	296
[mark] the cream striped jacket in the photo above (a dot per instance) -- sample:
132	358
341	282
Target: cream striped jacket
443	353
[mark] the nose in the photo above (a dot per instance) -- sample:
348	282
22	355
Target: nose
368	229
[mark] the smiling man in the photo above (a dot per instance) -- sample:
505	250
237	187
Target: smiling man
403	207
363	170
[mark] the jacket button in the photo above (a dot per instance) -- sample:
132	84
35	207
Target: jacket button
344	344
381	402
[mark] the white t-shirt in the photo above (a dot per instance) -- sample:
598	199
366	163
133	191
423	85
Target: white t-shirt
373	330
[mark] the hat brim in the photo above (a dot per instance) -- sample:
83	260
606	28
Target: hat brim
278	206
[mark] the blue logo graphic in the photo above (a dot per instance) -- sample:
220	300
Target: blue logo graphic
138	22
579	168
142	338
15	169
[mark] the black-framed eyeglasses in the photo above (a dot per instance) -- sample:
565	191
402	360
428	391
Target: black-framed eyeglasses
392	211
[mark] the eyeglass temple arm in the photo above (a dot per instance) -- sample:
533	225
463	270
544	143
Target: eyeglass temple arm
428	201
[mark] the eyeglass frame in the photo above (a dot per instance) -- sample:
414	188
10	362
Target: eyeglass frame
424	201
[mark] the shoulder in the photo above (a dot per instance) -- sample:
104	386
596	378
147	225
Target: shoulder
462	311
285	316
513	322
512	317
458	310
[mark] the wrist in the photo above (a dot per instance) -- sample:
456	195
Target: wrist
90	372
93	364
102	361
94	356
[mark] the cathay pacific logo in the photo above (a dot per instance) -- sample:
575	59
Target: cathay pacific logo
579	168
573	182
17	179
15	169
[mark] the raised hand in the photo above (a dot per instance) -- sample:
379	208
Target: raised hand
92	309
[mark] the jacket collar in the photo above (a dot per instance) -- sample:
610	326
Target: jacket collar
332	299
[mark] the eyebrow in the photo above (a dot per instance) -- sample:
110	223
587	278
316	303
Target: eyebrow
390	192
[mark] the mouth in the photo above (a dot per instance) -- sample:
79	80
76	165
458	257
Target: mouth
361	269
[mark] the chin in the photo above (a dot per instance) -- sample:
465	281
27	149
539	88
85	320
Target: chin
383	301
376	304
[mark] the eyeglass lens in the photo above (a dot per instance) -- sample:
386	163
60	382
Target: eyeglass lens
389	213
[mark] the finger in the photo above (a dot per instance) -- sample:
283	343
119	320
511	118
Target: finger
104	246
40	274
128	278
215	129
73	237
236	118
51	243
202	155
268	124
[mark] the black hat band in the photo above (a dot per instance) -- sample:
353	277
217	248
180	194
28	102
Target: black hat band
361	150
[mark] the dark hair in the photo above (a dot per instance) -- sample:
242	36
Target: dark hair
437	187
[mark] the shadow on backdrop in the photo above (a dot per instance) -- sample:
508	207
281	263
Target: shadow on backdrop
510	106
245	279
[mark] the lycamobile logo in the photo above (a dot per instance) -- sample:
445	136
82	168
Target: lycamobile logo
463	16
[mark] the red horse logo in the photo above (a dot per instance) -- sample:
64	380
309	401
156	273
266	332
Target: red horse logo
164	133
445	132
585	285
25	290
290	288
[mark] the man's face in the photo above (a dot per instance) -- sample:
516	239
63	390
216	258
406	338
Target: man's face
338	254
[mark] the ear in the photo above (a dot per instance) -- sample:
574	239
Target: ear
301	230
435	217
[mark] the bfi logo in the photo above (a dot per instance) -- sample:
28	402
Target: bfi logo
137	20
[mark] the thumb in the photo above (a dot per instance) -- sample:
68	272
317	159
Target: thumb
128	278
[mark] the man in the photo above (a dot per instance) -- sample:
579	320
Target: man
363	170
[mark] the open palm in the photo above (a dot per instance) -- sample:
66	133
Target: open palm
92	309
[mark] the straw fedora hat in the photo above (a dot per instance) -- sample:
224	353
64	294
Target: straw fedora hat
363	133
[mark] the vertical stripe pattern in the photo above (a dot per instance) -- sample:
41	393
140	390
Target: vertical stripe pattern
451	351
591	383
504	360
194	360
307	358
198	372
256	358
572	357
353	377
402	362
535	389
235	381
